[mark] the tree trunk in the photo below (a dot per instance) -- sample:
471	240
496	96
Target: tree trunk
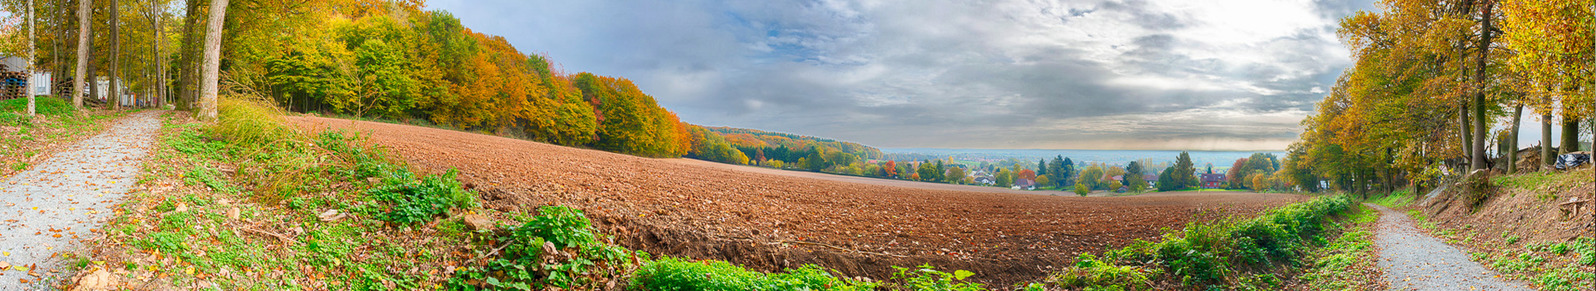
1546	140
1512	140
84	10
115	95
213	55
94	76
160	61
1484	47
1468	130
30	85
1570	134
57	71
188	57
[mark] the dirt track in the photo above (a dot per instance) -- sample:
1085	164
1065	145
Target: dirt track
770	220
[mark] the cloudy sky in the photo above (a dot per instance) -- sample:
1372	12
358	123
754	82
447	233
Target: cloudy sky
1080	74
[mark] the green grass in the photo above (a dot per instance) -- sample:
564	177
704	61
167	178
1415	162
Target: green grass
43	105
1219	254
1353	249
1534	263
1545	184
672	274
1398	199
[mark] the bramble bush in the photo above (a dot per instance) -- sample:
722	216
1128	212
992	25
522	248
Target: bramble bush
557	248
411	200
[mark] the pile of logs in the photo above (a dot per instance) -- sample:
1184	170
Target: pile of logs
12	84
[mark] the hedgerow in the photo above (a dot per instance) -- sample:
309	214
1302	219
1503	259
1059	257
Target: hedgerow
1219	254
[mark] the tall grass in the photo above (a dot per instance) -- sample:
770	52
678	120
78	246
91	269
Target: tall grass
272	158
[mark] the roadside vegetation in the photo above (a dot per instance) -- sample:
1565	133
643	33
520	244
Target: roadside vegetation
1229	253
1349	261
24	140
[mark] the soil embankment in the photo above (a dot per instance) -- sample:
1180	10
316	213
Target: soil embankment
769	219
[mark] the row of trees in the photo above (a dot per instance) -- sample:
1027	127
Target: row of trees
1431	78
130	43
363	58
402	63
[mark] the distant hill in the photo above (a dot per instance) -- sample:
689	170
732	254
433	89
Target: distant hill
744	138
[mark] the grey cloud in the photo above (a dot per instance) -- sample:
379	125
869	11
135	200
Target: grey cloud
1141	16
925	75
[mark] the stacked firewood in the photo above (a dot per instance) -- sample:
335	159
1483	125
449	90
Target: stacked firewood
12	84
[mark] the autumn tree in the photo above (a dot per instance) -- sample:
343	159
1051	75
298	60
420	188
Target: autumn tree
712	147
631	122
1551	44
890	170
955	175
1027	174
1004	178
1092	176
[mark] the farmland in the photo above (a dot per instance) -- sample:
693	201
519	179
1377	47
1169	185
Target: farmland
768	219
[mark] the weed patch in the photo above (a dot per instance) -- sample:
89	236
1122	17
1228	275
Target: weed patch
1550	266
673	274
413	200
1341	264
555	249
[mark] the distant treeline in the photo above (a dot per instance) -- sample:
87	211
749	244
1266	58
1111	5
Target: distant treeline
779	150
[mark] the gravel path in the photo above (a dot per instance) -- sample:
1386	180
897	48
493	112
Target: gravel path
47	211
1413	260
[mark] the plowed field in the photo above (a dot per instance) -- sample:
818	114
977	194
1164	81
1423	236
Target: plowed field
770	219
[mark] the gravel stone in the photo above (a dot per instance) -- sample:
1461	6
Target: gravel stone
63	201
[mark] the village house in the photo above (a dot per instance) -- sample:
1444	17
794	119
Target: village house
1024	184
1213	181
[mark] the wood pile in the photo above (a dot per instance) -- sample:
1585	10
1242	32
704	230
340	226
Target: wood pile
13	84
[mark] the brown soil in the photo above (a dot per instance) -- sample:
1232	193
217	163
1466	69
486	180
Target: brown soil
768	219
1532	214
